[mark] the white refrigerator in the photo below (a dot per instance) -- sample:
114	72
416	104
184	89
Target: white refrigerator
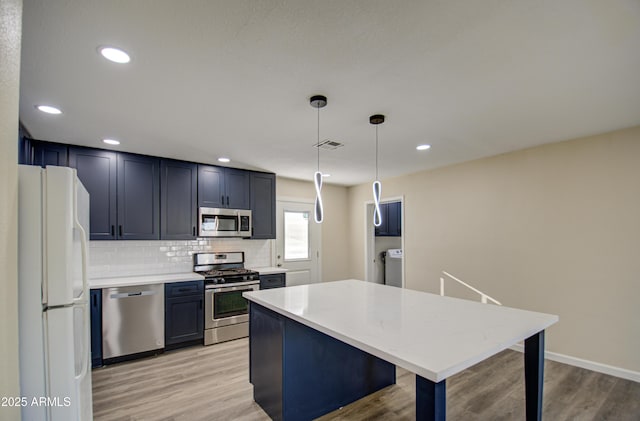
54	330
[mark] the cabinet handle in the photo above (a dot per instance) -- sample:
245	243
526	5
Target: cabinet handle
200	304
113	230
95	301
227	200
194	231
120	230
222	199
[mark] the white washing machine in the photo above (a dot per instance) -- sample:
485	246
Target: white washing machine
393	268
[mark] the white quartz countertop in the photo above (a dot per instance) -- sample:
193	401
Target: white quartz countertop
124	281
269	270
432	336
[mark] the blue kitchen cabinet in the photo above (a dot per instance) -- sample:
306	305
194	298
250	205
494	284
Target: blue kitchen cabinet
263	205
183	314
138	197
24	146
273	280
97	171
178	200
124	192
48	153
211	192
391	220
96	327
220	187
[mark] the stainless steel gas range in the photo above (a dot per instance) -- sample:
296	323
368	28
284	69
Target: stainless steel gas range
226	311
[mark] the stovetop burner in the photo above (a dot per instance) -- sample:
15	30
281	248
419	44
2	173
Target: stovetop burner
223	268
228	272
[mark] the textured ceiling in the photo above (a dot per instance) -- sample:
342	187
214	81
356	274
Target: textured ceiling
233	78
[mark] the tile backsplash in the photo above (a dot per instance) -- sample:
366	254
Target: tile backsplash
132	258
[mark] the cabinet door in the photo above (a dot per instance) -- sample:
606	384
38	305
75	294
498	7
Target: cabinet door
24	147
393	214
47	153
184	319
138	197
211	192
275	280
237	186
96	327
179	200
97	172
263	205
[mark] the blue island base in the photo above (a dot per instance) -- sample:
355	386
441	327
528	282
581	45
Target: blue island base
299	373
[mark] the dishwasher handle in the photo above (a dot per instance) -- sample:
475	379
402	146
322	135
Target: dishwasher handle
131	294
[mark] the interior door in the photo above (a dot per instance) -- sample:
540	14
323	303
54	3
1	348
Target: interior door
298	242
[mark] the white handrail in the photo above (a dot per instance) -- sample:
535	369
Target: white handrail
483	297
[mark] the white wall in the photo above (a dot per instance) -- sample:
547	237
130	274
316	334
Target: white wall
10	33
554	229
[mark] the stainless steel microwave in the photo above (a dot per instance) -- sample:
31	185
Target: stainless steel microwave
219	222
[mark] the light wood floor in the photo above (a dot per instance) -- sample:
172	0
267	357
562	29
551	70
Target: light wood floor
212	383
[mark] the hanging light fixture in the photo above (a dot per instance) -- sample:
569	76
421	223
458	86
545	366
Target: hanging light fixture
317	102
376	120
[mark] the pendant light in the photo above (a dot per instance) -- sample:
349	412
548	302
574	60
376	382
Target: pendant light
317	102
376	120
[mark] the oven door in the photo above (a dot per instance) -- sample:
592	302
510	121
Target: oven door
225	305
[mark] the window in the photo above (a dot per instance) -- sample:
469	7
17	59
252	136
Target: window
296	235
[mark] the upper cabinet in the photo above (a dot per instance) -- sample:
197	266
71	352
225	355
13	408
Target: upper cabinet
138	197
97	171
48	153
220	187
263	205
124	191
391	220
178	200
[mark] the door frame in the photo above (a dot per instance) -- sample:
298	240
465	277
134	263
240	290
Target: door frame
369	237
274	243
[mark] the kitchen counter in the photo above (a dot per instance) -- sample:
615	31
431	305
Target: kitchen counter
269	270
143	280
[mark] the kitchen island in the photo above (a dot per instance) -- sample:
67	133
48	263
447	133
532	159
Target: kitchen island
315	348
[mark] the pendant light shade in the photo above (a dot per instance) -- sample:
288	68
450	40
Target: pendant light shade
376	120
317	102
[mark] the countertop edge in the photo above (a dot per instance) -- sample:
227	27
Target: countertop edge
122	281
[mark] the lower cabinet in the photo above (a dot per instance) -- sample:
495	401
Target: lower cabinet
96	327
273	280
183	314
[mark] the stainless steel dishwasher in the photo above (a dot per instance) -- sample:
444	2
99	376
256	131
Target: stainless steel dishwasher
132	320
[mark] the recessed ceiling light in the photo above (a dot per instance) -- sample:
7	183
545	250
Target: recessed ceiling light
423	147
114	54
111	141
224	160
48	109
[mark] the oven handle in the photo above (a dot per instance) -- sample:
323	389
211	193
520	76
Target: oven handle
249	286
229	286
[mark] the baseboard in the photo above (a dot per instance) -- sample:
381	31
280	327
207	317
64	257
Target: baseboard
623	373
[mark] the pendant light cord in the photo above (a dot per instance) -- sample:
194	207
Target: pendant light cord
318	143
376	151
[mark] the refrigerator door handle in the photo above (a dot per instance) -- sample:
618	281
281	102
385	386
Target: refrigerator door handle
83	245
85	350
